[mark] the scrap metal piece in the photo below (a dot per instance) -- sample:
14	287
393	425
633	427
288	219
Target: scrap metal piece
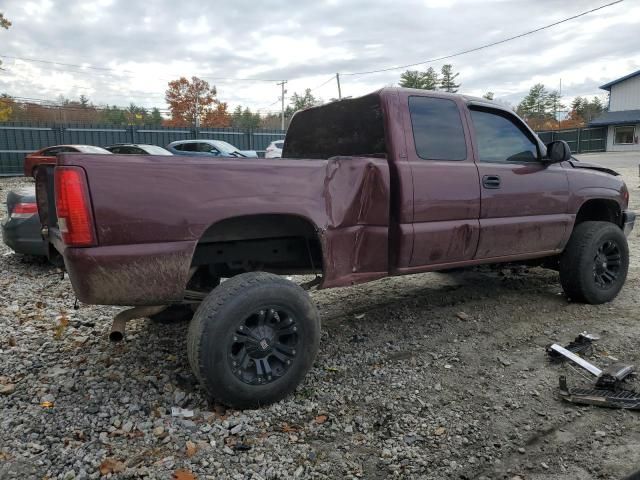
576	359
601	397
583	343
613	375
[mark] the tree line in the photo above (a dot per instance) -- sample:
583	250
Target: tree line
541	108
194	102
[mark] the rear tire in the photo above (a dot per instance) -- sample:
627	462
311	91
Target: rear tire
594	264
253	339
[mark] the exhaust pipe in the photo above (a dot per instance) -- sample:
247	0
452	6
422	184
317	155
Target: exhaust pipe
121	319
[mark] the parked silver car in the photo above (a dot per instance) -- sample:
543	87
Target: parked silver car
204	147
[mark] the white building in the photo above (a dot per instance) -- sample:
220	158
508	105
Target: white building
623	116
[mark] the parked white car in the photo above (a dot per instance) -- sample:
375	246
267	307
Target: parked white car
274	150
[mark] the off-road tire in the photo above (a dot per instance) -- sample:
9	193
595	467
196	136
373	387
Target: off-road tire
579	261
214	327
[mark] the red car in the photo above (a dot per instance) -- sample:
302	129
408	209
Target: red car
48	155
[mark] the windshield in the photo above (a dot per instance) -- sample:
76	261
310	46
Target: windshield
155	150
91	149
224	147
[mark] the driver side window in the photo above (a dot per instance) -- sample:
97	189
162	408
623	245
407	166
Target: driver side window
500	140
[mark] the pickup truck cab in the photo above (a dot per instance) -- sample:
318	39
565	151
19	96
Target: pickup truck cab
399	181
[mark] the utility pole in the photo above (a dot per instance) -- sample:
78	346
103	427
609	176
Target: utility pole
282	84
559	98
197	117
339	90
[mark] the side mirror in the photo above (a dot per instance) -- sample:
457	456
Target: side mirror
558	151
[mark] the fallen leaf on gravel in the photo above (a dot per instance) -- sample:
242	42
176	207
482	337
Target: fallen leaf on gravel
7	389
331	369
440	431
183	475
63	321
12	341
5	456
463	316
360	316
191	448
46	404
286	428
320	419
111	465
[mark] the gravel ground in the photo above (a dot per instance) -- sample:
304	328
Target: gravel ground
431	376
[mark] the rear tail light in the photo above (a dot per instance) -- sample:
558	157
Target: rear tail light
73	207
24	210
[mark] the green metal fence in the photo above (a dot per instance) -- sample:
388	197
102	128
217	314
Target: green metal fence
581	140
19	139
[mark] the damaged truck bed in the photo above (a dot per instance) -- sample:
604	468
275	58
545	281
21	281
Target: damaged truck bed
396	182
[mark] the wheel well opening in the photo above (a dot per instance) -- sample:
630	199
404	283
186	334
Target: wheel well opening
283	244
599	210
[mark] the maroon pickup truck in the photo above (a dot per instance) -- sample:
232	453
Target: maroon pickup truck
396	182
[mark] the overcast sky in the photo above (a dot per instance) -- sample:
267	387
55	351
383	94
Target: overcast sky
141	44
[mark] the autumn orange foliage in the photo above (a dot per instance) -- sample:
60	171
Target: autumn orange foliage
195	99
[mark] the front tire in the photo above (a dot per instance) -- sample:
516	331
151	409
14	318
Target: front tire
253	339
594	265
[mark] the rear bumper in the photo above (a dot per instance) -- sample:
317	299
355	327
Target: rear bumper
23	236
628	221
142	274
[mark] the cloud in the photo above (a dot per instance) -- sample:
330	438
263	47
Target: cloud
146	44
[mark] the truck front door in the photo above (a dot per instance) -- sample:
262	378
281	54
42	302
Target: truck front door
524	201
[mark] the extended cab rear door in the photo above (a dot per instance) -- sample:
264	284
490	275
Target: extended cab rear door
446	192
524	201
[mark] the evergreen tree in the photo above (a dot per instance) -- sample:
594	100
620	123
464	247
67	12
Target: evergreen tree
412	79
488	96
447	82
427	80
155	118
539	107
430	79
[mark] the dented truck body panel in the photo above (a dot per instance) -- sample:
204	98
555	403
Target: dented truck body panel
346	199
351	173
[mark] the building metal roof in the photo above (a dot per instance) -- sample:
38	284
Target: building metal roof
616	118
607	86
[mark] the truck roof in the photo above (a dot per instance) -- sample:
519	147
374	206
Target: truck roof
469	99
356	126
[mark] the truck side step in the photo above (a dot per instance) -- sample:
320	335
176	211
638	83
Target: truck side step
627	399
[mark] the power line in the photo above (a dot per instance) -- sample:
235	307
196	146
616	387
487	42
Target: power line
492	44
332	77
270	105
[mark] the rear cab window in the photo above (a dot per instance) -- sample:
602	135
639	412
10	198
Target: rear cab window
349	127
437	128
